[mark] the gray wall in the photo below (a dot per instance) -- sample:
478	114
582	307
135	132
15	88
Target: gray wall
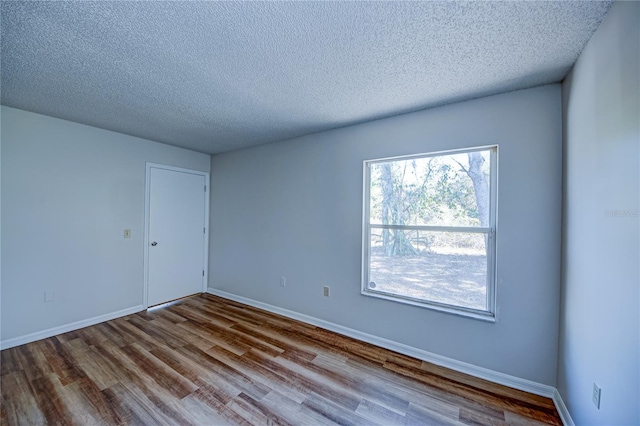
600	331
68	192
294	209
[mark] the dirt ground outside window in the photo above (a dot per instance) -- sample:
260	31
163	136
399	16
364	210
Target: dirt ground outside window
454	279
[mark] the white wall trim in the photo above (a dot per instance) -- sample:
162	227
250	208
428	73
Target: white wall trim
562	409
39	335
462	367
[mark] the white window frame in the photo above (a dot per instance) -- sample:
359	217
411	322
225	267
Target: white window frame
486	315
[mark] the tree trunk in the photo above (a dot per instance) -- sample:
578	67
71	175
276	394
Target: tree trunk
394	241
481	189
387	200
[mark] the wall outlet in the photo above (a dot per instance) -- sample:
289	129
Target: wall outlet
127	233
283	282
326	291
596	395
49	296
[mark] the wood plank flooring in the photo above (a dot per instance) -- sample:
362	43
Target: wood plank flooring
210	361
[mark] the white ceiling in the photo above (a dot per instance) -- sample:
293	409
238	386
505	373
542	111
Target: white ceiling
217	76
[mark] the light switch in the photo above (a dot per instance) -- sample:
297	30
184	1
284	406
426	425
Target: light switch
127	233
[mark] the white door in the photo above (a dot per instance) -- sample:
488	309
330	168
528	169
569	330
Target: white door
176	236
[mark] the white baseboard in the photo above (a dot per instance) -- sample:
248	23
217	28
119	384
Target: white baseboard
562	409
462	367
39	335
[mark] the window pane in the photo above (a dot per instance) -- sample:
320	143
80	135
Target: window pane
447	190
443	267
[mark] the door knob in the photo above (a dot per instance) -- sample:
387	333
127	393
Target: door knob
154	243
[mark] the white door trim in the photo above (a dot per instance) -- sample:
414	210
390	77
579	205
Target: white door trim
147	195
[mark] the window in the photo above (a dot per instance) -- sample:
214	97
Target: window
429	230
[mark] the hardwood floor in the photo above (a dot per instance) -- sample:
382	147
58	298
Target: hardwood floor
209	361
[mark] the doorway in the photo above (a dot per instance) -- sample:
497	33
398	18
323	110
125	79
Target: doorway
176	233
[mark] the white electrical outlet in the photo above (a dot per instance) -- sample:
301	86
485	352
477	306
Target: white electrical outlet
596	395
326	291
283	282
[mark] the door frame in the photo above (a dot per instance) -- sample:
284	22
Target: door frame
147	205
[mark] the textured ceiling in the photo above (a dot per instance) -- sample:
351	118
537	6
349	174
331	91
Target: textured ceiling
217	76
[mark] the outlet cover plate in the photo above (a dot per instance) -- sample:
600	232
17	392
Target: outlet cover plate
596	395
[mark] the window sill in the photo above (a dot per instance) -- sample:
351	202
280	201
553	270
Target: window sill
463	312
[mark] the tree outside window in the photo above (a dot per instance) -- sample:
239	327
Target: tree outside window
430	229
